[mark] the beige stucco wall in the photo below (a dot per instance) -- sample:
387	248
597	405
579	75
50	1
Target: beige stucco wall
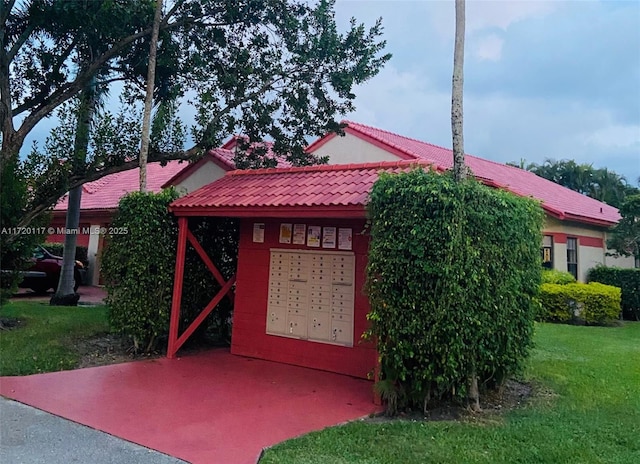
351	149
625	262
588	256
205	174
552	224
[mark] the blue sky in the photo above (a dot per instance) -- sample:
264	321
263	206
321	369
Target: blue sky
542	79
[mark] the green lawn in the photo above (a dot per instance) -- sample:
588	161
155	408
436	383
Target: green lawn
44	340
593	415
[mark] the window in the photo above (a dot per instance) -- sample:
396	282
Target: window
547	252
572	256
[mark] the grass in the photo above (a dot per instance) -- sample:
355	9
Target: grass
593	415
43	342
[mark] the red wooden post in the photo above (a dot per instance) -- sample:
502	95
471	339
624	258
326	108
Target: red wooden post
177	287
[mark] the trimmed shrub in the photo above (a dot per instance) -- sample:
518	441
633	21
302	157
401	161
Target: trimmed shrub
551	276
453	272
138	267
593	303
628	280
82	254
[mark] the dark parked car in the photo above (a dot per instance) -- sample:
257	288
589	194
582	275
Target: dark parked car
44	274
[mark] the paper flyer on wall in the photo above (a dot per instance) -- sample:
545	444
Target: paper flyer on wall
313	236
345	238
285	233
299	234
328	237
258	232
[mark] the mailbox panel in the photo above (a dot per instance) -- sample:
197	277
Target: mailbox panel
311	295
276	320
342	332
296	326
319	326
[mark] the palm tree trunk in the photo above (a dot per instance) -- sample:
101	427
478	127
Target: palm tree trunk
459	169
148	101
65	293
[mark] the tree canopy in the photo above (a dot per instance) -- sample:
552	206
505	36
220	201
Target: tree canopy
599	183
625	236
271	69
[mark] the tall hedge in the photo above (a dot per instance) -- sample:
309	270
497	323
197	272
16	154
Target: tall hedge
452	277
138	267
628	280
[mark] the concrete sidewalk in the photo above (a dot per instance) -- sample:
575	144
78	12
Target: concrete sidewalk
31	436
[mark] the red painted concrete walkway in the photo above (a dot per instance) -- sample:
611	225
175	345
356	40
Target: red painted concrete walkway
212	407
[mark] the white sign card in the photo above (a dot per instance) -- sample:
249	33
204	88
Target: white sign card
345	239
285	233
258	232
313	236
299	234
328	237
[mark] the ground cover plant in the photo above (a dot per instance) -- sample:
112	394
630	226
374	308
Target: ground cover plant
38	338
585	408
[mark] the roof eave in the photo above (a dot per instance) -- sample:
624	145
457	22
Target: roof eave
311	211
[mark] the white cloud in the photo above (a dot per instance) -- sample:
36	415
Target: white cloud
481	15
488	48
484	14
615	136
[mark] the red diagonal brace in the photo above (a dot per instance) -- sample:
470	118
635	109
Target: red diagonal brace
206	260
205	312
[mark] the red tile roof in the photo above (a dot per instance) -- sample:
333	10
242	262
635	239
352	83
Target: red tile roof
105	193
557	200
310	191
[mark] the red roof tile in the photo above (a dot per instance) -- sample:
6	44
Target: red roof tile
306	190
105	193
557	200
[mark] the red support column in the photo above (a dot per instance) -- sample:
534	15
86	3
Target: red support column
177	287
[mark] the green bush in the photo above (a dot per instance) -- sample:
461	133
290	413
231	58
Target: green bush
138	267
453	272
16	249
593	303
628	280
57	249
551	276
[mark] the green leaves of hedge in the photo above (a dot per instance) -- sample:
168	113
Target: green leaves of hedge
592	303
138	266
628	280
452	275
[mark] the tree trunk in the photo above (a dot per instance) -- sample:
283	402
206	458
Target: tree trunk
474	393
459	169
65	294
148	100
